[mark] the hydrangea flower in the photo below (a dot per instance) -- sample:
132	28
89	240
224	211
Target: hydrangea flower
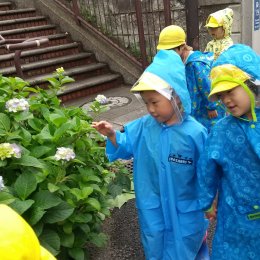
1	183
101	99
15	105
60	70
9	150
64	153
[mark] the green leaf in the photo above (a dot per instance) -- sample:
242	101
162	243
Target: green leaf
67	79
61	130
50	240
36	215
121	199
77	253
38	151
3	163
58	119
6	198
21	206
45	200
67	240
28	161
5	122
44	135
99	239
114	190
94	203
25	185
22	116
52	188
81	194
58	213
26	136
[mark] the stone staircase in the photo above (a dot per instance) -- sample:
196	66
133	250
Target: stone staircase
39	63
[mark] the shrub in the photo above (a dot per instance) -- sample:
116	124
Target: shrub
53	166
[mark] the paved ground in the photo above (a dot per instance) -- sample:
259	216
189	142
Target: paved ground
122	228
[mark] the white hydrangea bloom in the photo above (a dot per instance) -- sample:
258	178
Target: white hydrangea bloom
17	151
9	150
101	99
1	183
15	105
64	153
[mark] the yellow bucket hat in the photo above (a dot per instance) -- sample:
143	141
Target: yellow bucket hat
225	77
17	239
171	37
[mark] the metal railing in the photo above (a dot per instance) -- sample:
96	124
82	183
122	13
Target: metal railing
18	45
134	25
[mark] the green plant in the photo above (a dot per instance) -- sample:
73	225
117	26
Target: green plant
53	166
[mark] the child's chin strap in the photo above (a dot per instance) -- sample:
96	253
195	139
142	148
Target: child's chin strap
246	88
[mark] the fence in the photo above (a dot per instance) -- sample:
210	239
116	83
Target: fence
134	25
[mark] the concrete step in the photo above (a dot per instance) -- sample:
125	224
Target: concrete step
33	55
50	65
29	32
4	6
77	73
89	86
19	13
22	23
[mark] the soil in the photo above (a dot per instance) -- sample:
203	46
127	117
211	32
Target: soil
124	243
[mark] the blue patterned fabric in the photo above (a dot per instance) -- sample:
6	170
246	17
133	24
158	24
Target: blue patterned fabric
230	165
198	66
243	57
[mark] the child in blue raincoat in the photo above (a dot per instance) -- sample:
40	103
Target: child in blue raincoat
197	68
230	163
165	145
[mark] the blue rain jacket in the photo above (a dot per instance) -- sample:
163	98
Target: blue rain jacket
198	66
230	164
165	181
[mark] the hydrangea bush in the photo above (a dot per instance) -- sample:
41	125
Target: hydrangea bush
53	169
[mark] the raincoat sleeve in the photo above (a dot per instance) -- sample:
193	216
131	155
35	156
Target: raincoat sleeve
122	151
209	173
203	83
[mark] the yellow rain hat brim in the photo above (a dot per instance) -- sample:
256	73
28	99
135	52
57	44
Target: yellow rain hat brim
225	77
213	23
149	81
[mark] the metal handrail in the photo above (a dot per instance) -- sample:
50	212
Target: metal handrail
18	45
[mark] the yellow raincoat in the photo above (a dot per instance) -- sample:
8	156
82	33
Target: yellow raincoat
220	18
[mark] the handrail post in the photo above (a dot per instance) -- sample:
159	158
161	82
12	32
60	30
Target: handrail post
167	12
140	27
76	12
192	23
17	63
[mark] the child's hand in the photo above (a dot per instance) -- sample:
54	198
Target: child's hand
104	128
212	114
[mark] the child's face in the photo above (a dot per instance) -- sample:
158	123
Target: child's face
236	101
216	33
159	107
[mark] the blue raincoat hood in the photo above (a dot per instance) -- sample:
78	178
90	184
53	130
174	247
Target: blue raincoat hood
243	57
168	65
198	56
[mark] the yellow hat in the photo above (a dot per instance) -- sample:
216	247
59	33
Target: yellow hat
149	81
171	37
17	239
213	22
225	77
